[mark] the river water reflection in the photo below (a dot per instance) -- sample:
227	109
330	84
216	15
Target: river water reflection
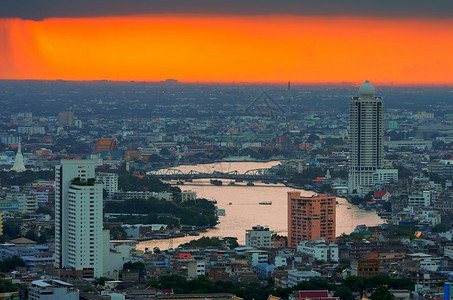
242	208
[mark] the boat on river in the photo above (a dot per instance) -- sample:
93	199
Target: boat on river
265	203
216	182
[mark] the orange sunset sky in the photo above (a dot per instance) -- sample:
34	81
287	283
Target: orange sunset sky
229	48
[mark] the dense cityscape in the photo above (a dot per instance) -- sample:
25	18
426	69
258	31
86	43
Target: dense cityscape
124	190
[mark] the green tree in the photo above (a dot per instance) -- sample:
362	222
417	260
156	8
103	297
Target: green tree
200	212
403	172
312	138
442	227
10	263
43	239
437	178
203	242
7	286
102	280
31	235
403	231
307	176
128	182
118	233
135	266
356	200
382	293
46	210
340	174
22	178
176	282
164	152
315	284
231	242
387	206
325	188
344	293
355	283
11	228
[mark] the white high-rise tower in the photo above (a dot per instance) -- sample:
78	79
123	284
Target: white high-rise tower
366	137
78	218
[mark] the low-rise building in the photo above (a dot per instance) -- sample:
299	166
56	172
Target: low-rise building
196	268
142	195
115	254
188	195
295	276
27	203
258	237
420	199
368	267
319	249
109	182
52	289
257	257
43	195
448	251
265	270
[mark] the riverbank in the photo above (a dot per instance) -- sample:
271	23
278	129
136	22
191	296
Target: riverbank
169	235
244	212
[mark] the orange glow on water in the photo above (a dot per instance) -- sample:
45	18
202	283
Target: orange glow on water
227	49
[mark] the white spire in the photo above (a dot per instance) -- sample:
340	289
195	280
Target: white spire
18	161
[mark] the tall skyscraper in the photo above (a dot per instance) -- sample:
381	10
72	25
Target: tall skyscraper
310	218
78	218
366	140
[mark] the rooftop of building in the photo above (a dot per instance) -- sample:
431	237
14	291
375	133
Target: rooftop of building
22	241
367	89
50	283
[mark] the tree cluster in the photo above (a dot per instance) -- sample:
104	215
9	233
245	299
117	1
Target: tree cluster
10	263
22	178
118	233
128	182
356	200
7	286
229	242
260	291
307	176
135	266
200	212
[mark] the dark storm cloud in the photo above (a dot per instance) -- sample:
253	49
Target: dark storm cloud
42	9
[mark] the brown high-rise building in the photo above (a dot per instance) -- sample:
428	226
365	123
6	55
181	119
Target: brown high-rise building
310	218
66	118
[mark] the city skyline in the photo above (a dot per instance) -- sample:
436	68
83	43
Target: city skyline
143	142
230	43
137	134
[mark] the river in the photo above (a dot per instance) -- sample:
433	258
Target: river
242	210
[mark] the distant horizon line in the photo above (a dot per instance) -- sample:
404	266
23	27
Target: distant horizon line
319	83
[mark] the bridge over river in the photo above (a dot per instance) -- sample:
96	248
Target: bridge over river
249	175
